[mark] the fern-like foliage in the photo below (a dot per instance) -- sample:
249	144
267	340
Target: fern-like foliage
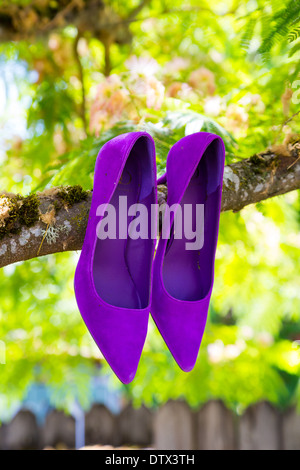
248	33
277	24
294	34
294	49
77	166
281	24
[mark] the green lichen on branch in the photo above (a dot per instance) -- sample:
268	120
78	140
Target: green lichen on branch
29	210
80	220
16	212
71	195
262	164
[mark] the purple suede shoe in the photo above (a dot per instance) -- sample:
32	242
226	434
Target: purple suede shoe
183	277
114	275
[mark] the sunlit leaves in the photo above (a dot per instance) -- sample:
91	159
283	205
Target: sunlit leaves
203	81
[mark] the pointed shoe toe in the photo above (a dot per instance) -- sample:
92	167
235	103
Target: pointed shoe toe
184	262
183	333
114	272
120	336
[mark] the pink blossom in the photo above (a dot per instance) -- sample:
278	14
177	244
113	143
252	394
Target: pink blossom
203	80
176	65
109	104
142	65
151	89
182	91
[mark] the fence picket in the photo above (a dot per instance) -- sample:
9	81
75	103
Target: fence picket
259	428
215	427
174	427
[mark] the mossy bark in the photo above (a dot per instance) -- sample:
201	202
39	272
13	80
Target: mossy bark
55	220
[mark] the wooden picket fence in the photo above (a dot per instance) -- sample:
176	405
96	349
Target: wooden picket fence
174	426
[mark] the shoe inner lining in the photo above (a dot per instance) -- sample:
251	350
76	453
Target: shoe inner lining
121	267
188	274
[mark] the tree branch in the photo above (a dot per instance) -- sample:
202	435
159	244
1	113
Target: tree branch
38	19
107	62
81	78
133	14
246	182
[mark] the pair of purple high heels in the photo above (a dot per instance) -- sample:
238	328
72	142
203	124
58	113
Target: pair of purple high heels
117	282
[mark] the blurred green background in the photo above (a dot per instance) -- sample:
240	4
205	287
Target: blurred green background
173	68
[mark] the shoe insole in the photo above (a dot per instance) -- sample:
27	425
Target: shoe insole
122	266
187	274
